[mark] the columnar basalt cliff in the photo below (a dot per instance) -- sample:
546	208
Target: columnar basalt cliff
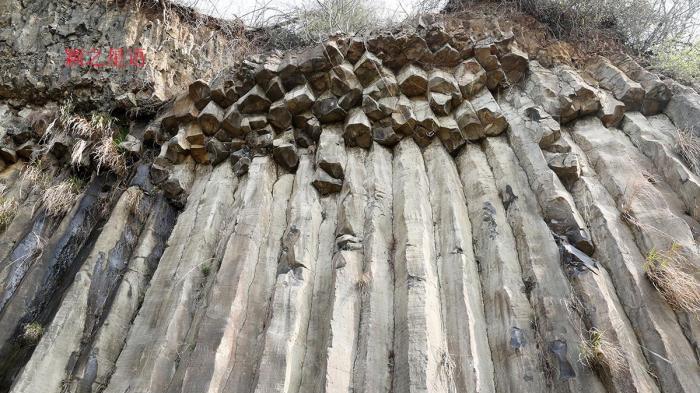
446	207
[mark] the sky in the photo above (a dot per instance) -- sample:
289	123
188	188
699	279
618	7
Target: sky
248	9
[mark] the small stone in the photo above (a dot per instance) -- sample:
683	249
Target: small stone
279	116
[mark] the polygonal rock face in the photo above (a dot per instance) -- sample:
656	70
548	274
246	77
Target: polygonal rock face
470	77
325	184
450	134
357	129
514	64
367	69
210	118
446	56
330	154
489	113
442	82
469	122
412	80
611	78
254	101
327	110
300	99
343	80
284	151
199	93
279	116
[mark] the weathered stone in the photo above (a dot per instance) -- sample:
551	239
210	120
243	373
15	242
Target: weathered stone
656	93
199	154
284	151
576	97
279	116
450	134
611	78
27	149
611	110
289	72
330	154
210	118
424	115
350	100
218	151
470	77
319	82
325	184
356	48
446	56
514	65
275	90
684	110
442	82
343	80
299	99
257	122
307	129
384	134
316	58
566	166
371	108
199	93
235	123
469	122
242	166
326	109
382	87
260	142
254	101
357	130
412	80
8	154
440	103
267	70
368	68
489	113
182	111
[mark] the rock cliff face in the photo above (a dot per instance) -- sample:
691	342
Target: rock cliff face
426	210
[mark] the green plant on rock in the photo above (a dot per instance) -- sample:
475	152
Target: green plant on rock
673	275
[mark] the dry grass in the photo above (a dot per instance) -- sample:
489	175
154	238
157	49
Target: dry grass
688	147
637	191
133	199
60	198
8	209
673	275
597	351
107	155
34	177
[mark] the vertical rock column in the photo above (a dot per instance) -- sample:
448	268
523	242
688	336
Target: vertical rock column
508	313
374	357
156	338
285	337
421	362
463	314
